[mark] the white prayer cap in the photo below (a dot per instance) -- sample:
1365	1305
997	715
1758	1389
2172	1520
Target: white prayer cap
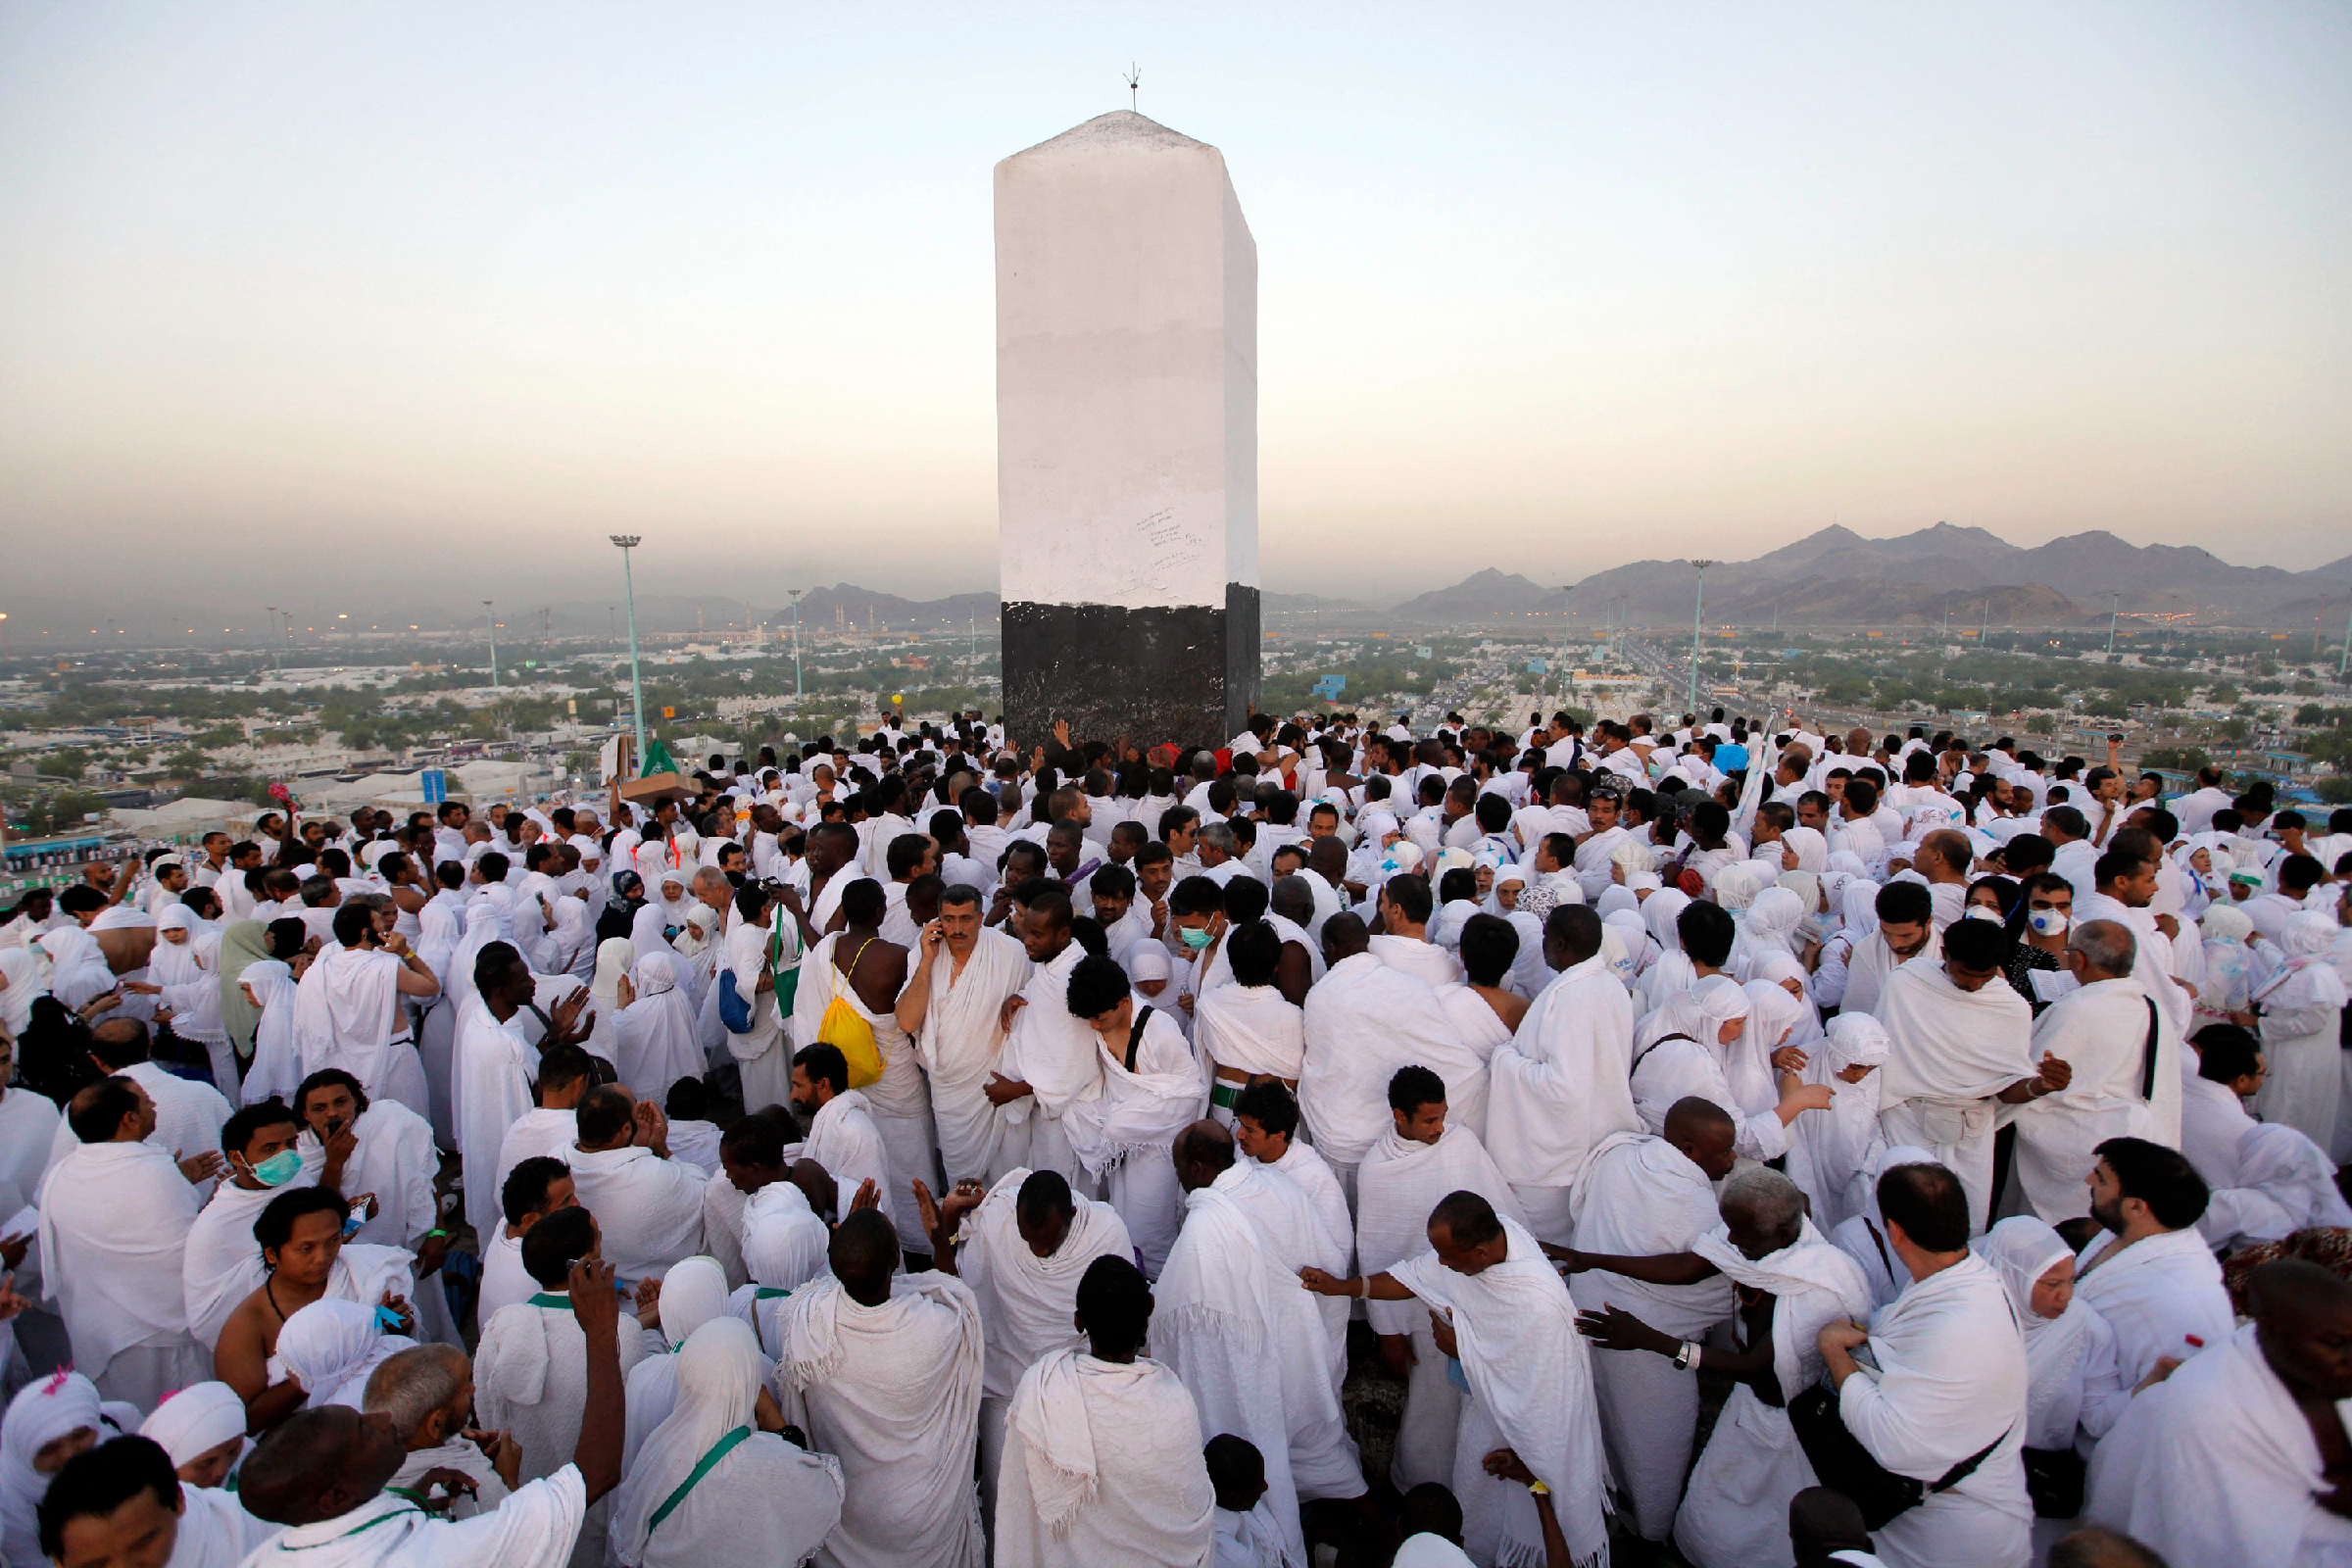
1632	854
1149	961
1378	822
693	1293
1641	882
1452	859
1618	900
1510	873
1401	856
703	918
195	1420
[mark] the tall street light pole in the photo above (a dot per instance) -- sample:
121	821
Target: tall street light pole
273	609
2114	603
490	620
2344	660
797	692
1697	612
628	542
1566	589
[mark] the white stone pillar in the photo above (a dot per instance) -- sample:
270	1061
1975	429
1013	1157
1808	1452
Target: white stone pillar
1126	437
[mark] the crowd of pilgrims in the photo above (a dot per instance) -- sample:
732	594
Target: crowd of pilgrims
1739	1144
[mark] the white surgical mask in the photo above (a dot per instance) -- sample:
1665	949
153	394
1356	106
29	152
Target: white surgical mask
2047	922
1978	912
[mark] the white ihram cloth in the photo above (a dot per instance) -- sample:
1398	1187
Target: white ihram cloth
1561	1084
843	1139
958	1046
1026	1301
495	1066
2217	1464
195	1420
1531	1391
1426	1550
276	1071
28	1123
346	1011
1862	1236
1395	1187
1251	1029
654	1039
2151	962
1363	1021
1232	1320
1253	1539
2101	1031
2212	1121
2155	1293
214	1530
783	1249
1874	964
897	1102
1102	1465
2071	1378
1737	1510
113	1235
2302	1019
2284	1183
189	1117
1948	1052
530	1381
534	1528
1123	1136
765	1502
1058	1057
540	1133
395	1162
893	1392
1828	1150
1951	1380
648	1209
1640	1196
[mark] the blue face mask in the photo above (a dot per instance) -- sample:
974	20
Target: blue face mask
278	1170
1193	939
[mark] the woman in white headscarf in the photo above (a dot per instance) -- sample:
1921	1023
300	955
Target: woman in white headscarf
1735	887
1689	1046
1829	1152
654	1039
49	1421
2302	1019
693	1293
614	957
1804	849
79	973
276	1071
2225	992
1771	925
708	1491
329	1348
2073	1384
1858	921
202	1428
1641	952
1671	971
570	942
185	963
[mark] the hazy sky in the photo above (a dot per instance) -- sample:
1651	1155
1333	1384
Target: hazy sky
298	298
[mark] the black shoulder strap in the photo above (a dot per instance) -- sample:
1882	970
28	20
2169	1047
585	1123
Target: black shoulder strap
1134	1034
2148	1058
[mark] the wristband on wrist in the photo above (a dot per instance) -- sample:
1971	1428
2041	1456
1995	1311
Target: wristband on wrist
1685	1355
1537	1488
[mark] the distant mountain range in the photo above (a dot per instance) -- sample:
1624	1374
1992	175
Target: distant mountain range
1837	577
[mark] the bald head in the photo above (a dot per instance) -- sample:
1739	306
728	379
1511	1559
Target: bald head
1202	1152
318	1464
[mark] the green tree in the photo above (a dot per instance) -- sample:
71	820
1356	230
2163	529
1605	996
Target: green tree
2041	724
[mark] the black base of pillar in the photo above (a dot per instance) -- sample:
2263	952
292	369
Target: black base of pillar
1185	675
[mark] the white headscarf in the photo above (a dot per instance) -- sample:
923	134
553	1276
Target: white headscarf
1859	908
2308	978
43	1412
1700	1011
693	1293
719	1383
2021	1249
195	1420
1736	885
329	1348
1812	851
1658	913
1771	925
